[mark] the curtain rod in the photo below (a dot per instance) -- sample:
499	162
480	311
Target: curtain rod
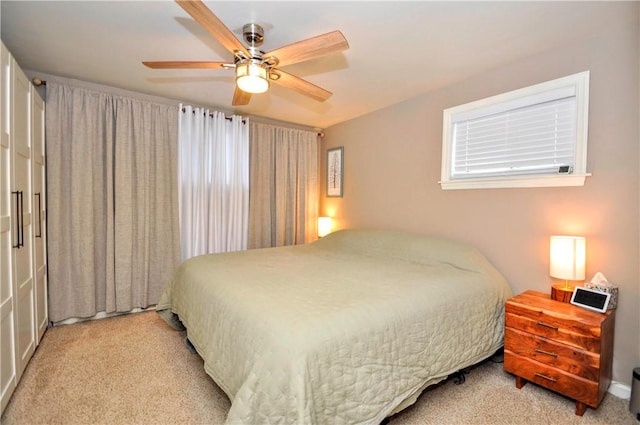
211	116
40	82
319	134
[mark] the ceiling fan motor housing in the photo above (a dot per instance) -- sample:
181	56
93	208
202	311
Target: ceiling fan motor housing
253	34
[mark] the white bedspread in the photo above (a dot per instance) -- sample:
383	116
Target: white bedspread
345	330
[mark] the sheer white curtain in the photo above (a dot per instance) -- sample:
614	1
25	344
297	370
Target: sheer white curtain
213	182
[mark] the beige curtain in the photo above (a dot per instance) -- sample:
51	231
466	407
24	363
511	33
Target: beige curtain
113	235
283	188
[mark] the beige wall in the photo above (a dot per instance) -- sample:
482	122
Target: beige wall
392	168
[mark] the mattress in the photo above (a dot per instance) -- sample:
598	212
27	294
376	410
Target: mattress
346	330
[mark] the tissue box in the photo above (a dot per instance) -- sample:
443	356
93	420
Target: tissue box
612	289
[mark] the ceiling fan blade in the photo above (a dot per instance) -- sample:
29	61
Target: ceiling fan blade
205	17
331	42
240	97
301	86
186	65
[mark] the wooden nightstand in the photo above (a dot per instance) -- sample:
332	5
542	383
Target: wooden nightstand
559	346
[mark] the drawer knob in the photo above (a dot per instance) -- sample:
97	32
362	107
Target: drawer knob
548	353
547	325
548	378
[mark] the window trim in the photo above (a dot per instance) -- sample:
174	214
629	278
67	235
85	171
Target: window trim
578	82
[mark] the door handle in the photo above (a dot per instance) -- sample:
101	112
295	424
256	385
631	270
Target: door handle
39	234
19	220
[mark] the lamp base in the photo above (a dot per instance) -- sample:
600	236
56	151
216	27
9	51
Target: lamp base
561	293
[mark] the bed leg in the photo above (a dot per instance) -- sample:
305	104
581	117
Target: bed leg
458	377
190	346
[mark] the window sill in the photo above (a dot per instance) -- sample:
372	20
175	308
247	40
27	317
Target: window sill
516	182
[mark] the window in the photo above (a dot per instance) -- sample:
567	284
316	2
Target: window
532	137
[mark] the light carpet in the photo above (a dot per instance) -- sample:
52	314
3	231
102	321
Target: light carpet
134	369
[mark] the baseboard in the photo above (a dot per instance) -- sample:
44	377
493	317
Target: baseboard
102	315
620	390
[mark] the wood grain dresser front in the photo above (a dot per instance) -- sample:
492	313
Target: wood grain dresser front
559	346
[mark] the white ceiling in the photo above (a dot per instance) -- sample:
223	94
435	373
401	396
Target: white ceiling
398	50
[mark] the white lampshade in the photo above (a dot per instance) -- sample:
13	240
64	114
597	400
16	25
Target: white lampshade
567	257
324	226
251	77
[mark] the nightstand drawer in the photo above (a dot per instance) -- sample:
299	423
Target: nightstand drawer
564	357
562	329
554	379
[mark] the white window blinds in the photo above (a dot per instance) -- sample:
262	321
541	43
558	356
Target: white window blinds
538	138
531	137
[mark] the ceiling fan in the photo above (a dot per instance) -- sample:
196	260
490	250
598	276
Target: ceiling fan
255	69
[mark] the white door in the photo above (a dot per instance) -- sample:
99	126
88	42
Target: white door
39	214
22	219
7	317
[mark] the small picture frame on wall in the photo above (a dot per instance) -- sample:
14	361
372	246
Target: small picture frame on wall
335	170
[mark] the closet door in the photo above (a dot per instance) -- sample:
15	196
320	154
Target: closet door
22	219
39	214
7	310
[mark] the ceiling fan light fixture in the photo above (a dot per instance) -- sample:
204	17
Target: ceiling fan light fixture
252	77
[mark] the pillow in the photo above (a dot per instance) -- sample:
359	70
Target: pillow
404	246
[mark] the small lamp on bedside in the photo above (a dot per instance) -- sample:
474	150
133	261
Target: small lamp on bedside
324	226
566	261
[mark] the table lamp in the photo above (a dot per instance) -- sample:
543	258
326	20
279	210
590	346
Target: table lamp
324	226
566	261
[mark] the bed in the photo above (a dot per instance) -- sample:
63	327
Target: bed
345	330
